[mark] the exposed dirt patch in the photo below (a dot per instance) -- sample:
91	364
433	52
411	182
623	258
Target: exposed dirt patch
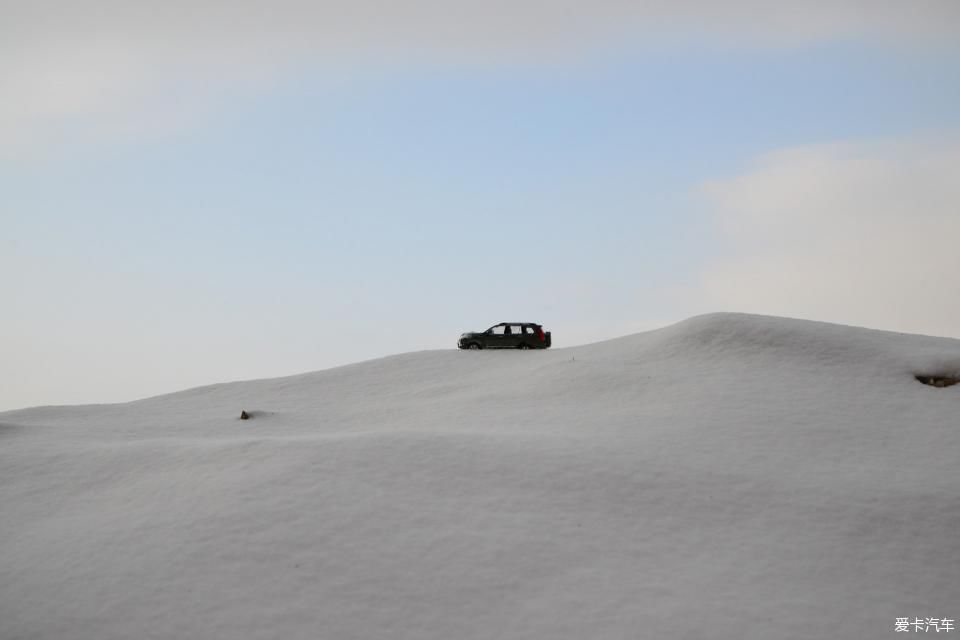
250	415
937	381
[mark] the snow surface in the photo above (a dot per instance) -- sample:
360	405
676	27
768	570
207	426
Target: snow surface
730	476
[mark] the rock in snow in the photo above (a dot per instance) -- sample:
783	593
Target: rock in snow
730	476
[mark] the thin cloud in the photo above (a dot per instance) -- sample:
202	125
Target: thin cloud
858	233
115	64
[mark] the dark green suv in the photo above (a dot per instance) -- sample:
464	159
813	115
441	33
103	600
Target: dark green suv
507	335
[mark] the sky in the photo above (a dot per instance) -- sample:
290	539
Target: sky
206	191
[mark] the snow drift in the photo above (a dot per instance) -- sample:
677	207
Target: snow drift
730	476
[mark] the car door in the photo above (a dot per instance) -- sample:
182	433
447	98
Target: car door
496	339
530	336
513	336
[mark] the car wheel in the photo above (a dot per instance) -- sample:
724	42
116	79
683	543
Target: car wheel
524	346
474	346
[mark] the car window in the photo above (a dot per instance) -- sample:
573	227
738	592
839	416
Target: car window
516	329
528	331
497	331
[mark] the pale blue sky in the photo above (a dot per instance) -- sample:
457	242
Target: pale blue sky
319	216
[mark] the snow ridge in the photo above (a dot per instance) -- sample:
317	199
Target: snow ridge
729	476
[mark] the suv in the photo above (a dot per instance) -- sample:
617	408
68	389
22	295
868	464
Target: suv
507	335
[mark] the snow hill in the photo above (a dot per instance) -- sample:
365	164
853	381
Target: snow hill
730	476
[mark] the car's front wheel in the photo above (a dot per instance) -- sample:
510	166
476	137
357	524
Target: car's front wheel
474	345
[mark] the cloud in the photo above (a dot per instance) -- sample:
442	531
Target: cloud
857	233
124	64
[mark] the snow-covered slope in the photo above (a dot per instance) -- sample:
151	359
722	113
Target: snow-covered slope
730	476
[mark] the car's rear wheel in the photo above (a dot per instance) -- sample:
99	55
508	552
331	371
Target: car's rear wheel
524	346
